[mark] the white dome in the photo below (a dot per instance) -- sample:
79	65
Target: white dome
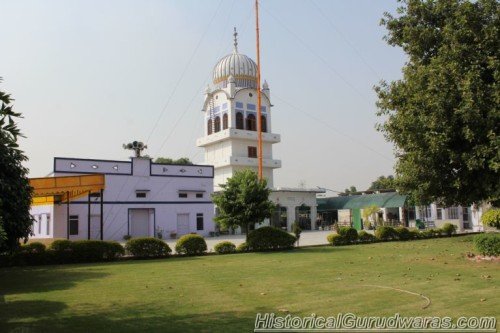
237	65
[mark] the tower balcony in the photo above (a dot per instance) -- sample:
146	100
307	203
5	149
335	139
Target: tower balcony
247	162
236	134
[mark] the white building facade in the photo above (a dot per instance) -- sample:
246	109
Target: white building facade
140	199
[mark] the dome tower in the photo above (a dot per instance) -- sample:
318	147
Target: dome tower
230	114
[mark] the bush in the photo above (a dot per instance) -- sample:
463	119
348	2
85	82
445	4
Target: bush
32	248
335	240
491	218
449	229
95	250
61	251
415	234
147	247
366	237
191	244
488	244
350	235
403	233
270	238
243	247
60	245
386	233
225	247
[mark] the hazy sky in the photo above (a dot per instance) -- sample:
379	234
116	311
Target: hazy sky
89	76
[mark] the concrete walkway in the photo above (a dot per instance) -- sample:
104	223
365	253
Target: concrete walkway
306	238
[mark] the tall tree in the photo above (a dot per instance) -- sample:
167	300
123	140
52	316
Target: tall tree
383	183
15	191
350	190
168	160
443	116
244	200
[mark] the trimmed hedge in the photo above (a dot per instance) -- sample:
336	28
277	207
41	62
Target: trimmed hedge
403	233
491	218
147	247
366	237
191	245
225	247
31	248
488	244
348	234
335	239
449	229
270	238
243	247
386	233
96	250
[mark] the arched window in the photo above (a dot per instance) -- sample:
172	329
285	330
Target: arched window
217	124
209	127
239	121
263	123
224	121
251	123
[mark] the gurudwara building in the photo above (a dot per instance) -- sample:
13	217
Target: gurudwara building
230	136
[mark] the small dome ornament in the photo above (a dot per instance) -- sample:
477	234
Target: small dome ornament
265	86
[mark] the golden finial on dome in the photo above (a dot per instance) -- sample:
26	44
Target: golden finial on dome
235	34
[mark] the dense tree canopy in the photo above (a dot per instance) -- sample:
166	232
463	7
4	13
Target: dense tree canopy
443	116
383	183
244	200
15	191
168	160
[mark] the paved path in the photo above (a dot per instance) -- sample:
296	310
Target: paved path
306	238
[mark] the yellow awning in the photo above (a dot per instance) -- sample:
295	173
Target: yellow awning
48	190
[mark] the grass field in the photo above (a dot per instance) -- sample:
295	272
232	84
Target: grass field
223	293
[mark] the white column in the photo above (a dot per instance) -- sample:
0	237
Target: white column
401	214
290	213
314	215
384	212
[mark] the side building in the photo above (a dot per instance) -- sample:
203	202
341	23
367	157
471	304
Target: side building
105	199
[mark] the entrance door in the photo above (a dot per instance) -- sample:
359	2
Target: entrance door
182	224
139	222
95	227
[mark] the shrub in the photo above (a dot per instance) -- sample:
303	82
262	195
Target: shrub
335	240
449	229
431	233
95	250
61	251
491	218
31	248
270	238
488	244
385	233
366	237
225	247
243	247
61	245
147	247
191	244
349	234
415	234
127	237
403	233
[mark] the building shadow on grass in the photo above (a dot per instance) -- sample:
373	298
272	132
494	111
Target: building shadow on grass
41	279
127	320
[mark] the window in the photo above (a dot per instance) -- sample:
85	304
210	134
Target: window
426	212
183	195
73	224
225	120
251	123
140	194
239	121
217	124
453	213
199	221
411	213
48	224
263	123
199	195
439	212
209	127
252	152
465	214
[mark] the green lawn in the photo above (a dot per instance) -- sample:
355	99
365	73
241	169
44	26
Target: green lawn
223	293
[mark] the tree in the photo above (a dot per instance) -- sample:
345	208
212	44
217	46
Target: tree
443	115
491	218
350	190
383	183
244	200
15	190
370	211
168	160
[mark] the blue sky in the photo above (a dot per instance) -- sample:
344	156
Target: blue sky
89	76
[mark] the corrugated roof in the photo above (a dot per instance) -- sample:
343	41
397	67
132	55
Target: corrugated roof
387	200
